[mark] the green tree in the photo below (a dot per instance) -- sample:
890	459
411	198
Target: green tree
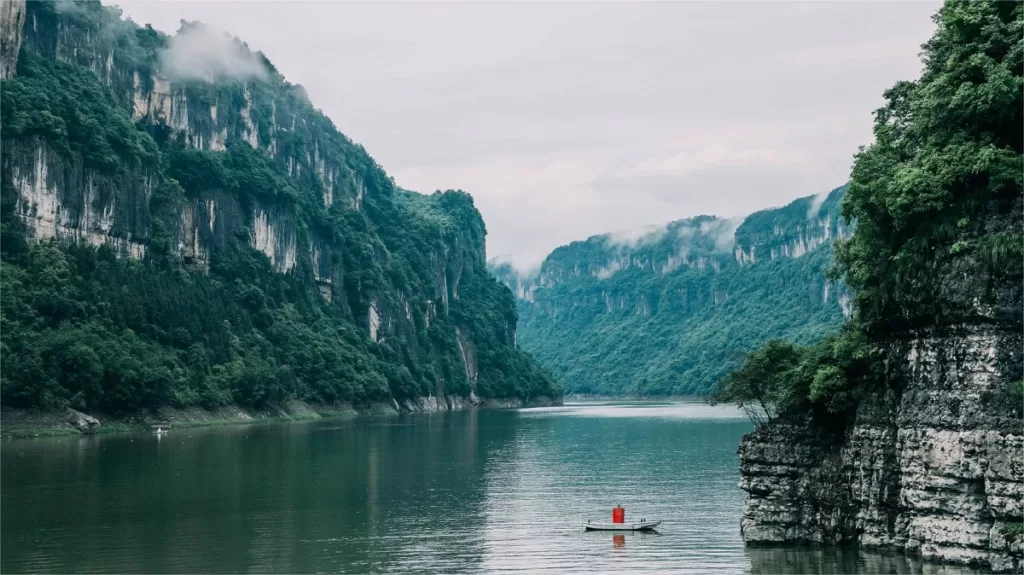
941	187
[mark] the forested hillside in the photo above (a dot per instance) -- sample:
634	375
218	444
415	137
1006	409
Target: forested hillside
672	309
180	226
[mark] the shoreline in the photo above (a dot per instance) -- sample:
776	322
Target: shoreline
599	397
18	423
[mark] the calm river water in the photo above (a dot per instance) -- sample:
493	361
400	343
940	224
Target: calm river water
467	491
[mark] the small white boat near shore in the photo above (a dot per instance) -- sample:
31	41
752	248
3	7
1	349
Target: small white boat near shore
634	526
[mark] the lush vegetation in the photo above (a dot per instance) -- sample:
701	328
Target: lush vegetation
780	378
83	327
672	312
941	186
937	200
1013	531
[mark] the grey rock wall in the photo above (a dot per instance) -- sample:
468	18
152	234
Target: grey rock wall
934	467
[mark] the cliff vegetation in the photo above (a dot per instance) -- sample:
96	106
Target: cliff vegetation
188	230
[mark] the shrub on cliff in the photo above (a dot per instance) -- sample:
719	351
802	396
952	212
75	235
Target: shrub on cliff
783	381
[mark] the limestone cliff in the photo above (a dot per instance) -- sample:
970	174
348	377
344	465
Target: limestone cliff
922	450
209	161
12	21
933	466
932	462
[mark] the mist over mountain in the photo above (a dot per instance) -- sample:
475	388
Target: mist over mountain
670	309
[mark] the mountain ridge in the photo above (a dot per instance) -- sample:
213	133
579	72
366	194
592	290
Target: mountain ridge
620	291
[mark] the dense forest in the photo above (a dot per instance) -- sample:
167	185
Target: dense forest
210	238
672	309
939	245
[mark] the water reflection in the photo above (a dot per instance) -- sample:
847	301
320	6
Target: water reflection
475	491
383	494
799	559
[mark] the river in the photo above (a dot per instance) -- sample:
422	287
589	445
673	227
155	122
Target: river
469	491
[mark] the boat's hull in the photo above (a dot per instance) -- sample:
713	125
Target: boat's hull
635	526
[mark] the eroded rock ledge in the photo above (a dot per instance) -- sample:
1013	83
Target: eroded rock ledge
933	466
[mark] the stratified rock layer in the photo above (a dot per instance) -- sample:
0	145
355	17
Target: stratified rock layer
933	466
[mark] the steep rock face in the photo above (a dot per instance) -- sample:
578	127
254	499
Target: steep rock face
668	309
205	115
211	162
793	231
934	466
12	21
63	199
933	462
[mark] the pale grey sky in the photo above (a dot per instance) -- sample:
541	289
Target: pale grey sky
565	120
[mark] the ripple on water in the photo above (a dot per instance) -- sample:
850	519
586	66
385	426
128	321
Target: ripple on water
474	491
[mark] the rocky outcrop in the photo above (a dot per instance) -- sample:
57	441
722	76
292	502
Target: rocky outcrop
933	466
82	422
274	235
434	403
12	21
62	199
454	403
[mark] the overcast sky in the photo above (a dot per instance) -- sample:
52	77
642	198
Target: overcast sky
565	120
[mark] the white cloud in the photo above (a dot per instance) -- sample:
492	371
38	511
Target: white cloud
816	203
199	52
636	237
723	231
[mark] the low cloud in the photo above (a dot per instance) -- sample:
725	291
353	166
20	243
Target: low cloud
816	203
199	52
636	237
525	267
722	231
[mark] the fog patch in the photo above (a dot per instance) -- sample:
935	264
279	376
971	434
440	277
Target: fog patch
722	231
637	237
526	266
614	267
300	92
199	52
817	200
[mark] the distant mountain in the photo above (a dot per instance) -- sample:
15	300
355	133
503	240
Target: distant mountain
671	309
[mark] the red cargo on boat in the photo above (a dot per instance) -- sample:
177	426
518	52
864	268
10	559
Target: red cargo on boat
618	515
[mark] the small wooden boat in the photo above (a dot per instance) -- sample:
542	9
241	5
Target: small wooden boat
634	526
